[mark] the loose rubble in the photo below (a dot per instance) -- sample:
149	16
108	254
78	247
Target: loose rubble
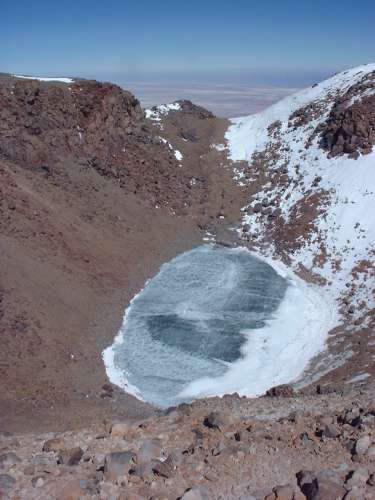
289	448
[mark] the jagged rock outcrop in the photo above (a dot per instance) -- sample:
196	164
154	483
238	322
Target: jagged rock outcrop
350	127
190	108
42	122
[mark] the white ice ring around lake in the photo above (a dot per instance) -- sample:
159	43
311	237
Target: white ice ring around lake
214	321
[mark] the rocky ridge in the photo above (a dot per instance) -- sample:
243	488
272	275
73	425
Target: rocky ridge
97	125
350	128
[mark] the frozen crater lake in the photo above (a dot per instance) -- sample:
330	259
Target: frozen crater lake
216	320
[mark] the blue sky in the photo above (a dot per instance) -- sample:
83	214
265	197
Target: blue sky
139	39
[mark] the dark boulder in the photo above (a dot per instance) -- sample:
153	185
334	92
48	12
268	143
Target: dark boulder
281	391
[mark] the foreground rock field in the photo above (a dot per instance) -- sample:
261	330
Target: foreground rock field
304	446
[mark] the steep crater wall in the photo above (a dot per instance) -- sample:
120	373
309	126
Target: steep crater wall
97	125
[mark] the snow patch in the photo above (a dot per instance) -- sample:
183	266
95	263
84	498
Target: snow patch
178	155
46	79
157	112
358	378
219	147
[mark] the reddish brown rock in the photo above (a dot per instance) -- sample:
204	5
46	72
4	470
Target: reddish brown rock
6	484
120	429
71	456
284	492
8	459
362	444
217	420
281	391
350	128
319	486
55	444
117	464
72	490
331	431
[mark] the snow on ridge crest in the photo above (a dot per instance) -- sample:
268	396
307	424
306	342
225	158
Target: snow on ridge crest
46	79
156	112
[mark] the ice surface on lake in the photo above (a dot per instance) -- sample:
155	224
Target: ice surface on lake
188	321
215	321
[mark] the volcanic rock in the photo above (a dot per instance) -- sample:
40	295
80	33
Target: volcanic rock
216	420
358	477
163	469
119	429
319	487
196	493
70	456
117	464
284	492
6	483
362	445
281	391
350	128
55	444
150	449
8	459
331	431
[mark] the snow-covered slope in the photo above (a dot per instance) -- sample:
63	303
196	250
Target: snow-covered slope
311	190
